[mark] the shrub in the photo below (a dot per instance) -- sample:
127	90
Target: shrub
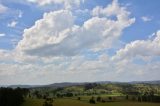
103	101
133	98
92	100
127	97
47	103
99	99
69	94
79	98
110	98
139	98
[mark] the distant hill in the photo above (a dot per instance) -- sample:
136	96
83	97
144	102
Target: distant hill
66	84
146	82
54	85
23	86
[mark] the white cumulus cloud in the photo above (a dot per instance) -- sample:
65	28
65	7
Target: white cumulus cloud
144	48
54	35
52	50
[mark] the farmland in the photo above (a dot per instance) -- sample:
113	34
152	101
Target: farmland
71	102
87	94
95	94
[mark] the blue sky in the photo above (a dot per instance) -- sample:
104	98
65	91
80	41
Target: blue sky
31	13
37	39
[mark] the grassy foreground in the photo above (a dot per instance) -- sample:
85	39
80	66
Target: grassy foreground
70	102
33	102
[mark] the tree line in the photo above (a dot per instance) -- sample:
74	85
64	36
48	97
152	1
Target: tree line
12	97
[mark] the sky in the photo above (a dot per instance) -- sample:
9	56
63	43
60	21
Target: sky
50	41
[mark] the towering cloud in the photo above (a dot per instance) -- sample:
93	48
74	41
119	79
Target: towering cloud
57	34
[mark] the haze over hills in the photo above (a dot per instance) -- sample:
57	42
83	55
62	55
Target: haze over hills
66	84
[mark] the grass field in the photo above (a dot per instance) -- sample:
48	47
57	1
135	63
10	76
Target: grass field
33	102
71	102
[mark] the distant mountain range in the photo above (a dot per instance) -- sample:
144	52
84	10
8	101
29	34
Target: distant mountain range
146	82
65	84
